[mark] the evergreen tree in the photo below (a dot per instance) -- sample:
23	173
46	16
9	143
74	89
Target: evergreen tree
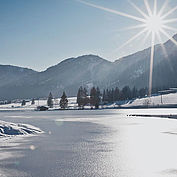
126	93
116	94
85	99
33	101
95	97
50	100
82	97
121	95
63	101
79	97
142	92
107	96
104	97
112	96
98	99
134	93
23	103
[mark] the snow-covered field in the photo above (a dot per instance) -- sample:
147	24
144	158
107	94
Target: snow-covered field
154	100
40	102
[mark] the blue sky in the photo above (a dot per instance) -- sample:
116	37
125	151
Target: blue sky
41	33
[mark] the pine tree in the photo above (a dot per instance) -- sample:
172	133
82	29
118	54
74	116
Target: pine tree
50	100
63	101
112	95
134	93
23	103
142	92
98	99
82	97
79	97
95	97
126	92
33	101
104	97
85	99
116	94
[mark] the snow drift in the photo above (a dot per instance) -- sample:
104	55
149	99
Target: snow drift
12	129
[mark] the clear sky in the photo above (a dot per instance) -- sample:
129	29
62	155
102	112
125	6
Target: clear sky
41	33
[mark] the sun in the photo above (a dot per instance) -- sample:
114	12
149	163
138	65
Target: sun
154	23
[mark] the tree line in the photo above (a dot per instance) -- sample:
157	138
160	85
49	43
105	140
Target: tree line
95	98
112	95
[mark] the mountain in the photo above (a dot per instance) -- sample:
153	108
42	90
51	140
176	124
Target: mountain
10	74
68	75
134	70
89	70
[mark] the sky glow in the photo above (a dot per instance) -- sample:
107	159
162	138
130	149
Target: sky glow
154	23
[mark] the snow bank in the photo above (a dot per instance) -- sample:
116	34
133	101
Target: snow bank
12	129
154	100
41	102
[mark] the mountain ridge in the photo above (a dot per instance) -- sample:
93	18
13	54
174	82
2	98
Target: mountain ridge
92	70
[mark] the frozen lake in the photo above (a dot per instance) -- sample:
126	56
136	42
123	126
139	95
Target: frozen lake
103	143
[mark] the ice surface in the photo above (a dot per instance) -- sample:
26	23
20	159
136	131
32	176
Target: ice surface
90	143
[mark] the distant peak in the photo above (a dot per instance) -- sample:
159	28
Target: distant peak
88	56
84	57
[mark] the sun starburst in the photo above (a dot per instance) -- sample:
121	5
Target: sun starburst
153	22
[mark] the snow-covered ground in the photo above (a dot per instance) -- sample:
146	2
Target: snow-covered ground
154	100
40	102
91	143
11	129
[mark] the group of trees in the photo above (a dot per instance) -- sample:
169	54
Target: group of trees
63	101
83	99
95	98
112	95
23	103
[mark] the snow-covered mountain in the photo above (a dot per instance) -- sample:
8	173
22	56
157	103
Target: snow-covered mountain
10	73
89	70
68	75
133	70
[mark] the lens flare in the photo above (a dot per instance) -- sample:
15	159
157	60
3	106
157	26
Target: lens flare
153	22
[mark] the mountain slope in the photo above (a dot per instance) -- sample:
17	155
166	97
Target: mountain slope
10	74
135	68
68	75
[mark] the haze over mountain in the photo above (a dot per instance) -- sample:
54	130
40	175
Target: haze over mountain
91	70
